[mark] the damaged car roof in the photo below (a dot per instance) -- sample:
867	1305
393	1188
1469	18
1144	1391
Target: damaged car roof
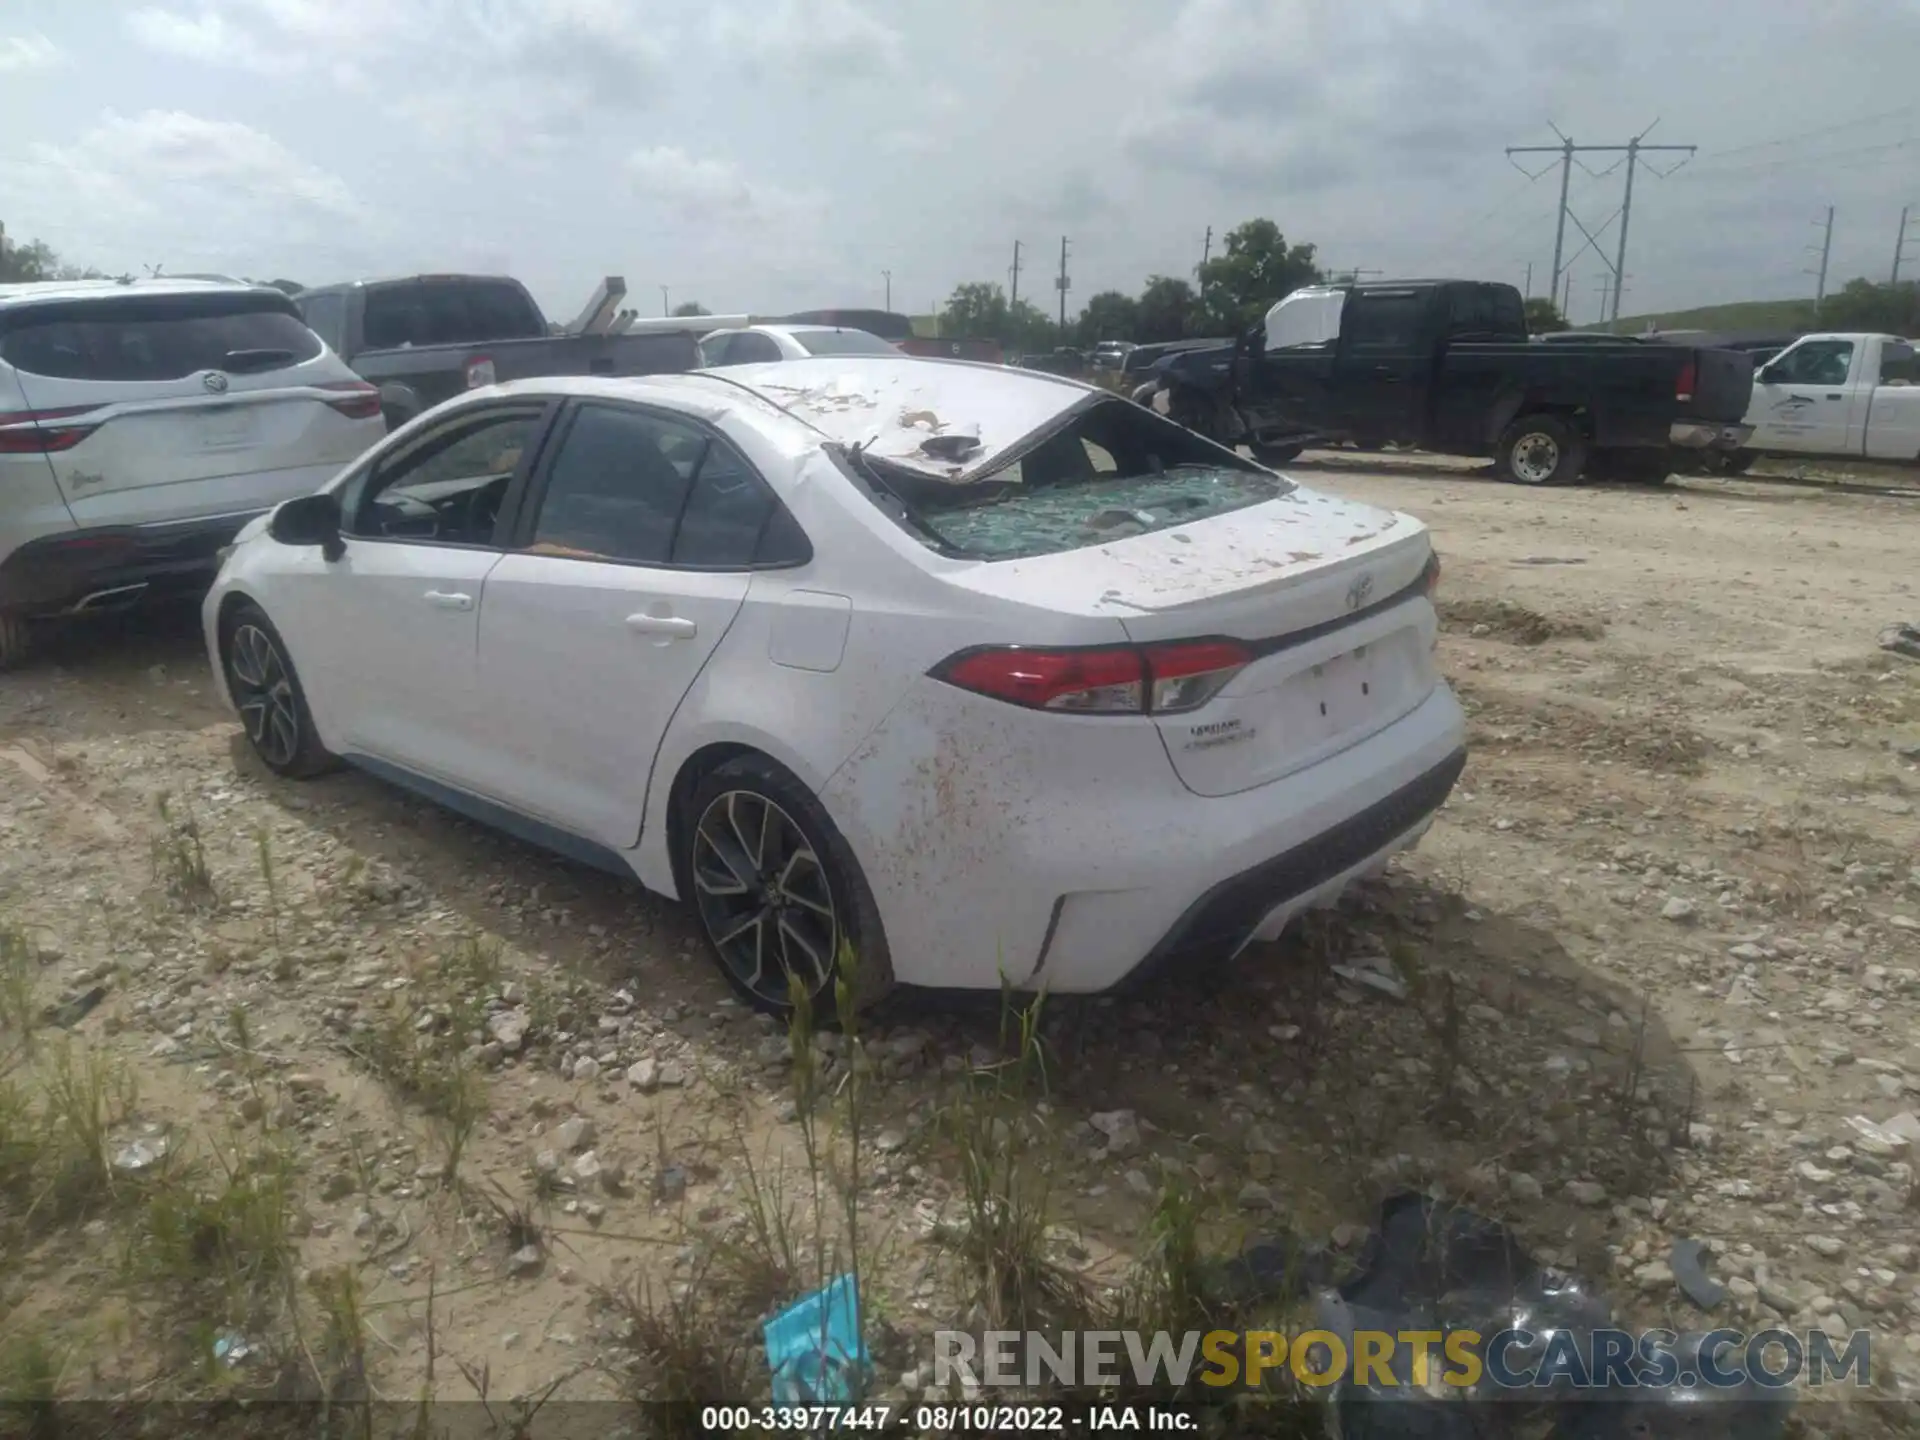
948	420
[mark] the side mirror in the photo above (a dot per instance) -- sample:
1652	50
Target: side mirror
1767	375
310	520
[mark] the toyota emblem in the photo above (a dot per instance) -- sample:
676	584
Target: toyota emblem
215	381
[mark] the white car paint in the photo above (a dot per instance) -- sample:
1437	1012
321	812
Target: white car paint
161	452
788	342
1054	847
1839	394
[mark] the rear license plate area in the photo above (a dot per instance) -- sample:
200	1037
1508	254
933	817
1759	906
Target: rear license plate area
227	429
1337	694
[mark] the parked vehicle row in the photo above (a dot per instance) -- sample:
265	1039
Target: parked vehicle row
1447	366
425	338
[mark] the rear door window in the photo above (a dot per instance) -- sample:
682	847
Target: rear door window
1383	320
448	312
142	338
644	489
326	316
749	348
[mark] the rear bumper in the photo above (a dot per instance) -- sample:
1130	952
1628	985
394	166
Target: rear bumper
109	566
1708	435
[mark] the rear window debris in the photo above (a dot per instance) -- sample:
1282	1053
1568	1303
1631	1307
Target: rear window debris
1106	471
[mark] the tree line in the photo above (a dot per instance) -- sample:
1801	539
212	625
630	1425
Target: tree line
1229	292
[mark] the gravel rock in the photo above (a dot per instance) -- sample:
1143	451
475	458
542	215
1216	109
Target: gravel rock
1121	1127
576	1133
1586	1192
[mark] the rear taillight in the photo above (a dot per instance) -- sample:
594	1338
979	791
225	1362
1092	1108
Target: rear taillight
1158	679
1683	387
43	432
360	401
479	371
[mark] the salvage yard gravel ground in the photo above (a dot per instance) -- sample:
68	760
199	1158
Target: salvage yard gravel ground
371	1102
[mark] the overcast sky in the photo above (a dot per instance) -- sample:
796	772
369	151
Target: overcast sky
770	154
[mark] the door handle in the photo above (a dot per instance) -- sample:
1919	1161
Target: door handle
1833	397
449	599
674	627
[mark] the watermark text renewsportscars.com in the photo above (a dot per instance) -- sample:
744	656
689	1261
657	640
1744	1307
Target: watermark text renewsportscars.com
1513	1359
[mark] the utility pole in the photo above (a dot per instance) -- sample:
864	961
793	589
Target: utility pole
1013	288
1062	285
1568	152
1604	286
1566	299
1826	249
663	301
889	278
1206	247
1899	246
1528	292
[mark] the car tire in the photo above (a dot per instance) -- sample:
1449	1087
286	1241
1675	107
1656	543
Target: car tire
1737	462
1271	455
16	641
751	812
267	693
1541	450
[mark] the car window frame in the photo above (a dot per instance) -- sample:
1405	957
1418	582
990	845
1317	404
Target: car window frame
352	491
527	507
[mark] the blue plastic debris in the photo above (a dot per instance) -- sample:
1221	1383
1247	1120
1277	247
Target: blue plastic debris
815	1349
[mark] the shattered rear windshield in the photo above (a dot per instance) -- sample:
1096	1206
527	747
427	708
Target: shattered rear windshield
1109	470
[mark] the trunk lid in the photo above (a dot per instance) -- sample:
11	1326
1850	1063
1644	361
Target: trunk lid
1326	595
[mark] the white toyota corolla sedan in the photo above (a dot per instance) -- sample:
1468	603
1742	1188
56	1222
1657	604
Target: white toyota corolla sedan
979	672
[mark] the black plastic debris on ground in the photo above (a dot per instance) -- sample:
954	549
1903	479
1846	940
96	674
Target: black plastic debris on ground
1902	639
1436	1267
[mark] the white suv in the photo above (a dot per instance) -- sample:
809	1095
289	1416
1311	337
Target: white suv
142	423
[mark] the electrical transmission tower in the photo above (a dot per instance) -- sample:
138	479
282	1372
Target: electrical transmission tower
1825	247
1900	246
1569	154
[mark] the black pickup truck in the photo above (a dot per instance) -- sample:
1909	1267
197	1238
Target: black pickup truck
1447	366
426	338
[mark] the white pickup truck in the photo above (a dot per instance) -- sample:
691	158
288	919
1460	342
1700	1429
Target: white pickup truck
1851	396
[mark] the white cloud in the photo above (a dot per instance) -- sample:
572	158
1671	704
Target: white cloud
697	188
188	192
32	51
827	39
207	38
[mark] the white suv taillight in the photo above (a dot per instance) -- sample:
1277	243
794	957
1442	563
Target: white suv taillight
360	402
1121	680
479	371
44	432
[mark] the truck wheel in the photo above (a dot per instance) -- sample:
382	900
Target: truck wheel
15	641
1541	450
1271	455
1737	462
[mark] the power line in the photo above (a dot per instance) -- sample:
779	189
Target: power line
1816	134
1569	151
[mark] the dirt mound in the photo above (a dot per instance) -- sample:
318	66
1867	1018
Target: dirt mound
1516	624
